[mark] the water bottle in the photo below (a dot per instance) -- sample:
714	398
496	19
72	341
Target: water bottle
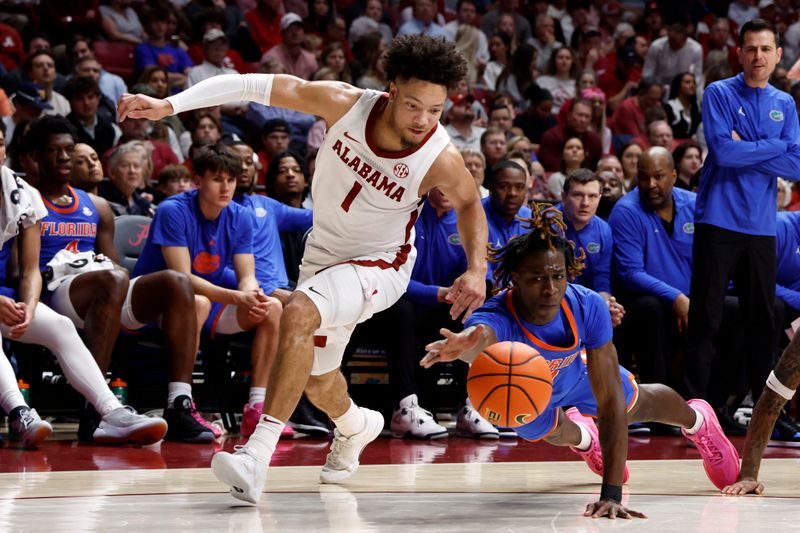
25	390
120	390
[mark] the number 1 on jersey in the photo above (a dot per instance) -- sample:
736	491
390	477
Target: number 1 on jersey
351	196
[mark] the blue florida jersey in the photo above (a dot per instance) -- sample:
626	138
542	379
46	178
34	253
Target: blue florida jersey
738	186
270	217
583	323
212	244
72	226
440	256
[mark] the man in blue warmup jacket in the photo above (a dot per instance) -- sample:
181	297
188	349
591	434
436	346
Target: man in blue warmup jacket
590	233
579	201
752	133
653	228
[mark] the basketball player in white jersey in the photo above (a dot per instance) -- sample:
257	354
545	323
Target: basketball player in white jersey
381	156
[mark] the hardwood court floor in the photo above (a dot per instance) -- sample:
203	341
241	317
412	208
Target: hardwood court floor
455	485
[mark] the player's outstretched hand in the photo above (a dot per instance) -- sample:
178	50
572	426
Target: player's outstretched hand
142	106
452	346
744	486
466	294
612	510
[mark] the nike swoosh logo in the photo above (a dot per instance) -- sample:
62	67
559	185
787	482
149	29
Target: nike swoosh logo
315	291
347	134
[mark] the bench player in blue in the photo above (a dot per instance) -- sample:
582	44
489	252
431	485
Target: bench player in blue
26	320
198	233
97	295
571	327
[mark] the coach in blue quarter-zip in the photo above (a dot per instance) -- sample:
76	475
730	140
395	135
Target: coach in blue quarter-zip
750	127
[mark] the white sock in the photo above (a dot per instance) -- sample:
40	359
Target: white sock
10	396
351	422
106	403
177	388
586	438
257	395
265	437
697	423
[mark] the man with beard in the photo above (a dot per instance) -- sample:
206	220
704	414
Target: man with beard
653	233
611	189
653	229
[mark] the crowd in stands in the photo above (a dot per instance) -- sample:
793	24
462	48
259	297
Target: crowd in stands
561	100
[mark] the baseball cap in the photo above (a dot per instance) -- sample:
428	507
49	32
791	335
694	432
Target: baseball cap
626	54
652	7
30	93
459	98
214	34
276	124
289	19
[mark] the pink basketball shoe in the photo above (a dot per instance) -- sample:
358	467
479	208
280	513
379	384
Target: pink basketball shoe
720	458
593	456
251	416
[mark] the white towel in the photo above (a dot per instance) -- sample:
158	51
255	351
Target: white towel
21	205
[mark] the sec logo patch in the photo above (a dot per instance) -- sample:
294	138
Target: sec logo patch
401	170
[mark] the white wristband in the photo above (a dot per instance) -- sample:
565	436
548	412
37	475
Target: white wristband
224	89
779	388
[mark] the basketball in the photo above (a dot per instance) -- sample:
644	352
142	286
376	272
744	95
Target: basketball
509	384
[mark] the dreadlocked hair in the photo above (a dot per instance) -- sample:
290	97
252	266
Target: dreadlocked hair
547	232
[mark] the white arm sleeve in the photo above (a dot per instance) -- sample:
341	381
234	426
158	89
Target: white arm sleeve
224	89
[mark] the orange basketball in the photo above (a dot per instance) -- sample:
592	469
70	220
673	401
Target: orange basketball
509	384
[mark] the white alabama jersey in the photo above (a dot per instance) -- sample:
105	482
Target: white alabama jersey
366	200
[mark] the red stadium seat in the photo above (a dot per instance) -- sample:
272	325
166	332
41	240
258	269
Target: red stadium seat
116	58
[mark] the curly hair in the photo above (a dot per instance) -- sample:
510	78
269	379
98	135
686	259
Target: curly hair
426	59
547	232
43	128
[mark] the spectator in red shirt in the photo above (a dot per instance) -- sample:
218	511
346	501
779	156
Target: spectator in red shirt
629	117
275	139
12	53
554	139
720	38
618	82
265	23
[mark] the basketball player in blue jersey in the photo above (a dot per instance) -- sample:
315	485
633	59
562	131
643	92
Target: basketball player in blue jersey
571	327
24	319
198	233
97	295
